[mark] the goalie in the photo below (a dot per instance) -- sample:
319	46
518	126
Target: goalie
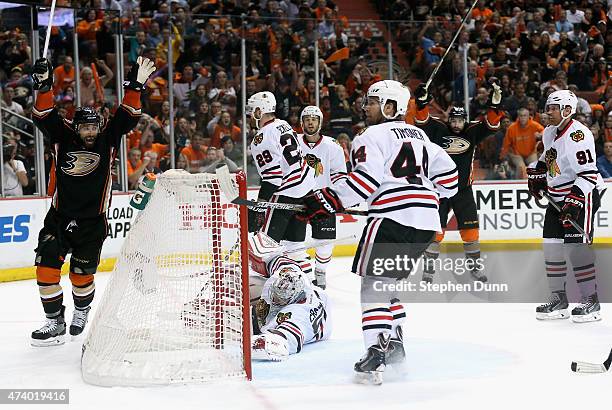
290	312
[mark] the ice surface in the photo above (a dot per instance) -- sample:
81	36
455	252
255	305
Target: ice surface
463	356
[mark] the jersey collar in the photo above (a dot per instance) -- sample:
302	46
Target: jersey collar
562	131
308	142
267	122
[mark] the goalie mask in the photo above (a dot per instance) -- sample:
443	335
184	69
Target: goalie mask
389	90
288	287
311	111
259	104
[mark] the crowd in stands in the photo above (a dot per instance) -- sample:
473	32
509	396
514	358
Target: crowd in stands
532	46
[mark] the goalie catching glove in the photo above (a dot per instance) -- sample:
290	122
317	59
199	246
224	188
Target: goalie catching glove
536	179
321	203
572	207
42	75
139	74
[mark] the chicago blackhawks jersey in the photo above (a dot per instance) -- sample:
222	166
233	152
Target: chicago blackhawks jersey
279	159
401	175
303	322
569	155
326	158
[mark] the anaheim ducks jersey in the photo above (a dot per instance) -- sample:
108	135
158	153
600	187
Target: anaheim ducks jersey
326	158
279	159
569	155
80	179
400	174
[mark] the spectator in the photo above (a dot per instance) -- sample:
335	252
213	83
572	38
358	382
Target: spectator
562	25
90	93
604	162
517	100
195	153
14	176
138	44
8	102
202	118
501	171
479	104
63	75
154	37
222	90
182	133
230	149
215	115
182	163
184	88
520	142
214	158
135	167
151	167
583	106
225	127
574	16
345	142
198	98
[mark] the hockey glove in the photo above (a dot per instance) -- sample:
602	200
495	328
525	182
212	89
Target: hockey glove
536	179
256	218
42	75
321	203
422	96
572	207
139	74
495	95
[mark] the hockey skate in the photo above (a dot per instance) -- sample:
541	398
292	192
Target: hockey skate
429	269
396	353
320	278
556	308
427	277
52	333
588	310
479	275
79	320
372	365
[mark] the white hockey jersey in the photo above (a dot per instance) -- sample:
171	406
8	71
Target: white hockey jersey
569	155
279	159
326	158
300	323
400	173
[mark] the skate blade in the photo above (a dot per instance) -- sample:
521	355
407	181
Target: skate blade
591	317
54	341
556	315
375	378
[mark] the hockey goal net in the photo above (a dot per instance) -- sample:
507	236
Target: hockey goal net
175	309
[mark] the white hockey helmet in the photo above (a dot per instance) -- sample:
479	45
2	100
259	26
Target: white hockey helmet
265	101
390	90
288	287
311	111
563	98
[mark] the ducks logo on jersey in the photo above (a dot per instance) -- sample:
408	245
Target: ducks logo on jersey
551	162
455	145
577	136
314	163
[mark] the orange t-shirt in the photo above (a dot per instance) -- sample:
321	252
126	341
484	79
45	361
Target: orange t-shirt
62	78
160	149
521	141
221	131
133	139
130	169
194	157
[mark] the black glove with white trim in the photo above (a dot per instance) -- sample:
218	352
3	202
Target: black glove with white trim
321	203
42	75
572	207
536	179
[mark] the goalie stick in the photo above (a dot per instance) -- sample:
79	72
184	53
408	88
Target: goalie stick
230	191
584	367
571	221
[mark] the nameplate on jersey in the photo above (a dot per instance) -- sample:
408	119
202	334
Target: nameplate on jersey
284	128
80	163
455	145
404	133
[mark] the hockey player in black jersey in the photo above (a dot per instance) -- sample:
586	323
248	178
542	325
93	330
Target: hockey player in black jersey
459	139
80	186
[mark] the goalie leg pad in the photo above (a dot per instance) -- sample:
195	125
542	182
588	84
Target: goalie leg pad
270	346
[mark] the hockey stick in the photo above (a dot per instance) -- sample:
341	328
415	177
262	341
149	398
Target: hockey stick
435	71
48	35
571	221
231	192
584	367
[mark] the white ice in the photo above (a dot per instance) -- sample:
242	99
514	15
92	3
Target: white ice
465	356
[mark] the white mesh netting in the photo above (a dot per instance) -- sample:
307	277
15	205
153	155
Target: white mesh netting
172	310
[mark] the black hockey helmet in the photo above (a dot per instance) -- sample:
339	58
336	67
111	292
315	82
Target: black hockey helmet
457	112
85	115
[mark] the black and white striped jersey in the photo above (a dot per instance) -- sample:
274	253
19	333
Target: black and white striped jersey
401	175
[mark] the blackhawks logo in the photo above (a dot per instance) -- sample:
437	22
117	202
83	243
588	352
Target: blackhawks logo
314	163
258	139
282	316
551	162
577	136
